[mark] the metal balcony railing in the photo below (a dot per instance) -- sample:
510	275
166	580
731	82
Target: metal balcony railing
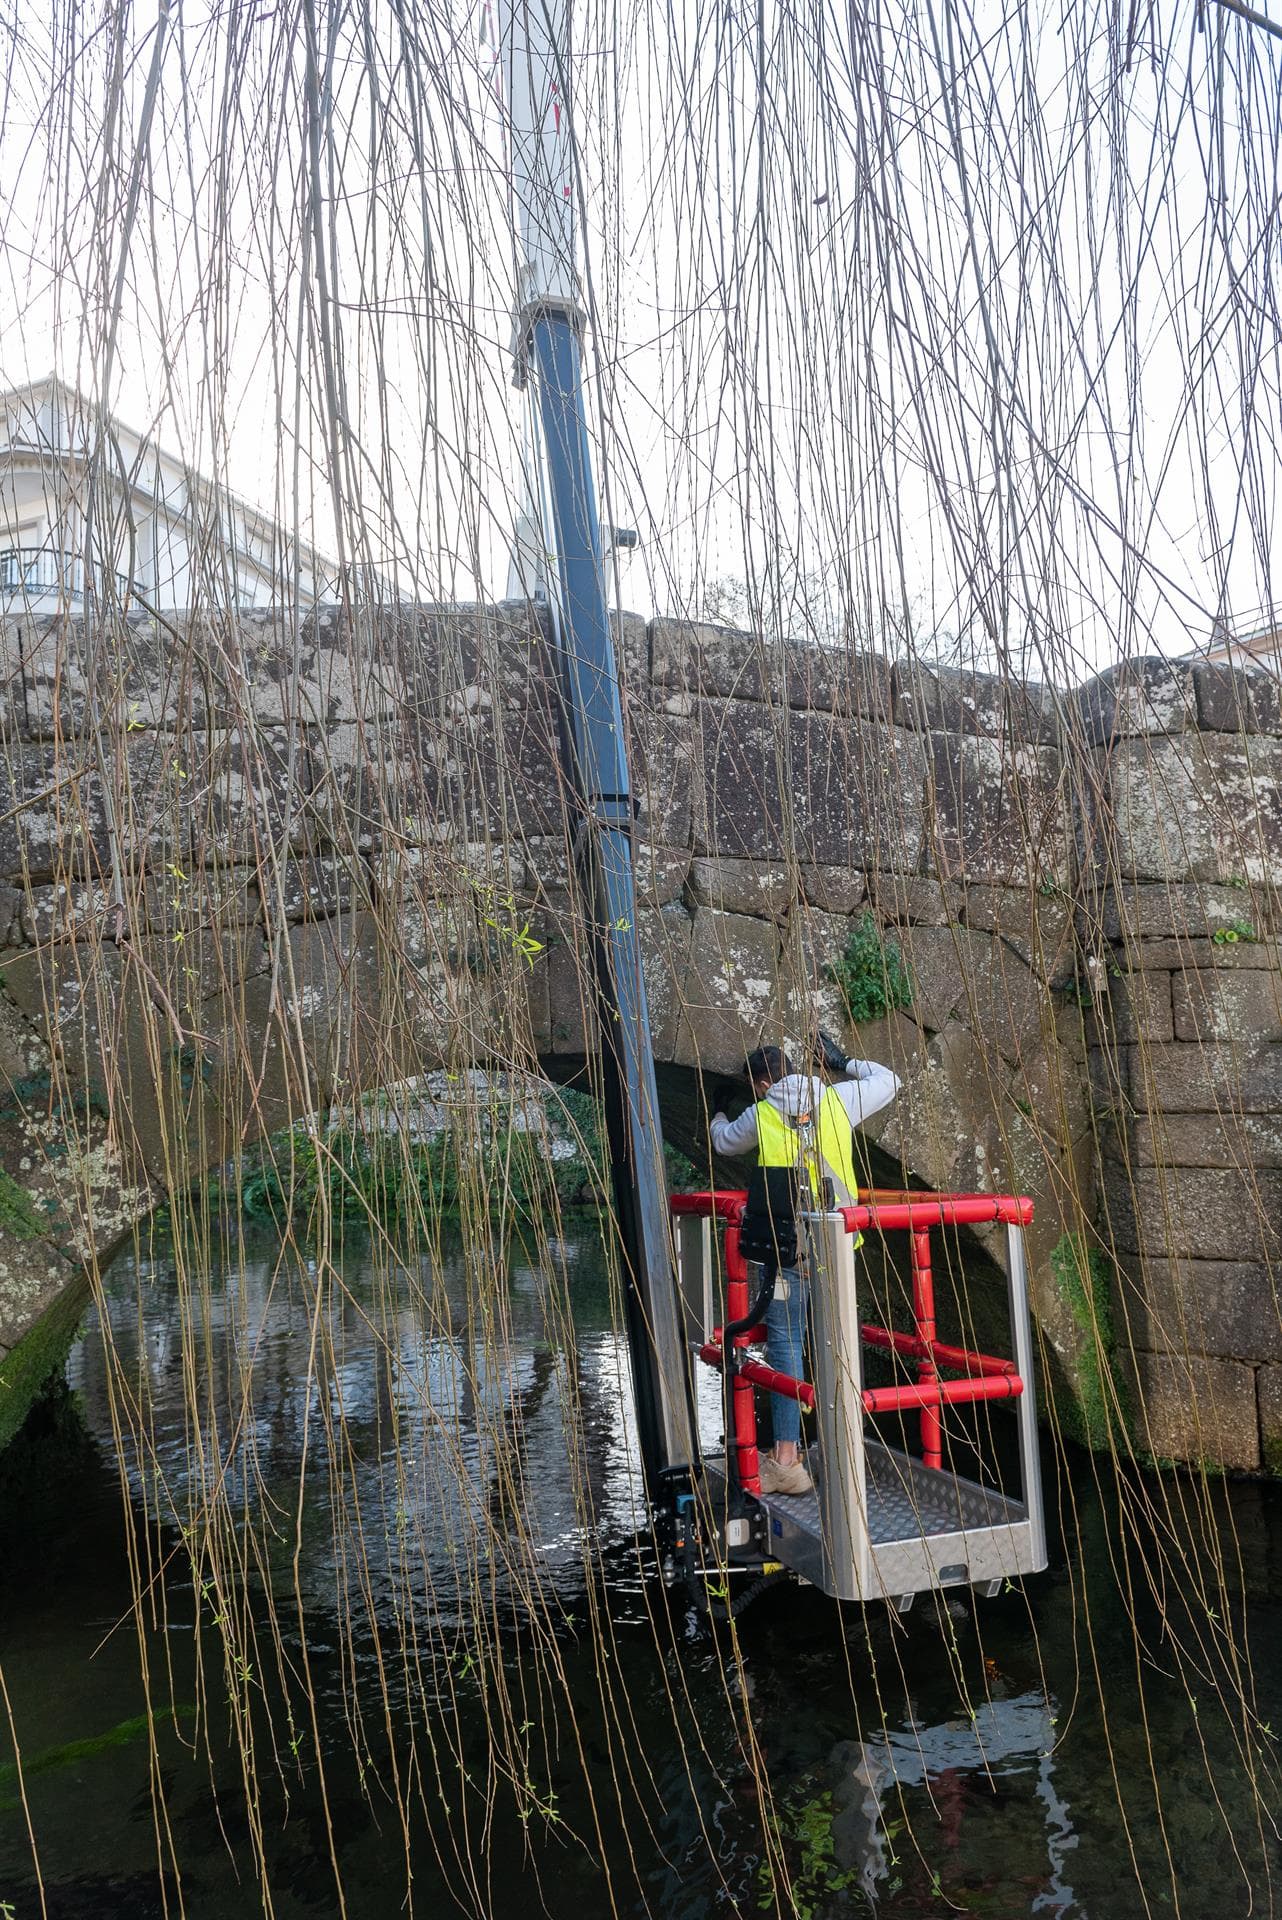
36	570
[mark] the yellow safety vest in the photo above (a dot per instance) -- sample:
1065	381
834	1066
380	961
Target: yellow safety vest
779	1145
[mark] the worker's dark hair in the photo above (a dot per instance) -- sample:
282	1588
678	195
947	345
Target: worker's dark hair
768	1063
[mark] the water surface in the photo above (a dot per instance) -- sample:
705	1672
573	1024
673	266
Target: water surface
464	1555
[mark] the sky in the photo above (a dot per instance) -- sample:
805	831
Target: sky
919	320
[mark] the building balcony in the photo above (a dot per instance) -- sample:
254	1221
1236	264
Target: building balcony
33	572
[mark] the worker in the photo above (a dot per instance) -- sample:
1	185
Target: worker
798	1121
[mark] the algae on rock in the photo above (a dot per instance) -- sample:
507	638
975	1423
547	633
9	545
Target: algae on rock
18	1211
39	1357
1095	1410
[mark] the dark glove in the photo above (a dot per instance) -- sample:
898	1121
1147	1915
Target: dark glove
828	1054
722	1094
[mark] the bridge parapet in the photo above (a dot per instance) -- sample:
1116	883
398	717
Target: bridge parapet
250	867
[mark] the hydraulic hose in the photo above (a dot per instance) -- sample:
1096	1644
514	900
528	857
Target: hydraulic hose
765	1294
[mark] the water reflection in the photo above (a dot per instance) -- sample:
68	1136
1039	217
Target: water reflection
1004	1740
433	1414
413	1452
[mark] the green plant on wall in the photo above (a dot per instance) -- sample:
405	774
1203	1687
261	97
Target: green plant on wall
870	974
1236	930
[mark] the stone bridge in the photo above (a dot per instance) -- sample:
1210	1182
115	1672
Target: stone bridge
254	867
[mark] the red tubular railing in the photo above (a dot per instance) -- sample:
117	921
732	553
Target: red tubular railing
928	1394
924	1319
713	1206
758	1374
743	1404
884	1210
878	1211
919	1394
955	1359
908	1212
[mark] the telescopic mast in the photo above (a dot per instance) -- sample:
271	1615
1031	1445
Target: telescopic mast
550	327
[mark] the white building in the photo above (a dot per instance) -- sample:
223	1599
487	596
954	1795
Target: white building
92	512
1254	641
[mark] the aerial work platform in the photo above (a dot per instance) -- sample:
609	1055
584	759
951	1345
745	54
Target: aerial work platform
882	1523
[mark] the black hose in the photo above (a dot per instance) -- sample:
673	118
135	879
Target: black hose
730	1606
769	1274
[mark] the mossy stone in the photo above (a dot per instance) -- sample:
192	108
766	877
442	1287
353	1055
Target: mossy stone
1094	1411
39	1358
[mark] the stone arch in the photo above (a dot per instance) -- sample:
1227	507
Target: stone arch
338	1009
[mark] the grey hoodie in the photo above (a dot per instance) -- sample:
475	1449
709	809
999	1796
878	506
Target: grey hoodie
869	1089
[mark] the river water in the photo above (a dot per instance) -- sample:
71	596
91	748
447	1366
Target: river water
463	1557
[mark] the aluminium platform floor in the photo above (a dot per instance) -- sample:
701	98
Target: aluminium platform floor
906	1500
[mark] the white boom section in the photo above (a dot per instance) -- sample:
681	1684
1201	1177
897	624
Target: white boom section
533	42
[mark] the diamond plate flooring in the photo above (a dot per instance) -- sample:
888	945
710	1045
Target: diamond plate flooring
906	1500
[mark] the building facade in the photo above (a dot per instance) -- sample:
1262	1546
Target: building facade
93	512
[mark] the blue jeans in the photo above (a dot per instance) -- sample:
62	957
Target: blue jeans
785	1334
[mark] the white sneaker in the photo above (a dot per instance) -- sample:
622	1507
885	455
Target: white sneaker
777	1479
